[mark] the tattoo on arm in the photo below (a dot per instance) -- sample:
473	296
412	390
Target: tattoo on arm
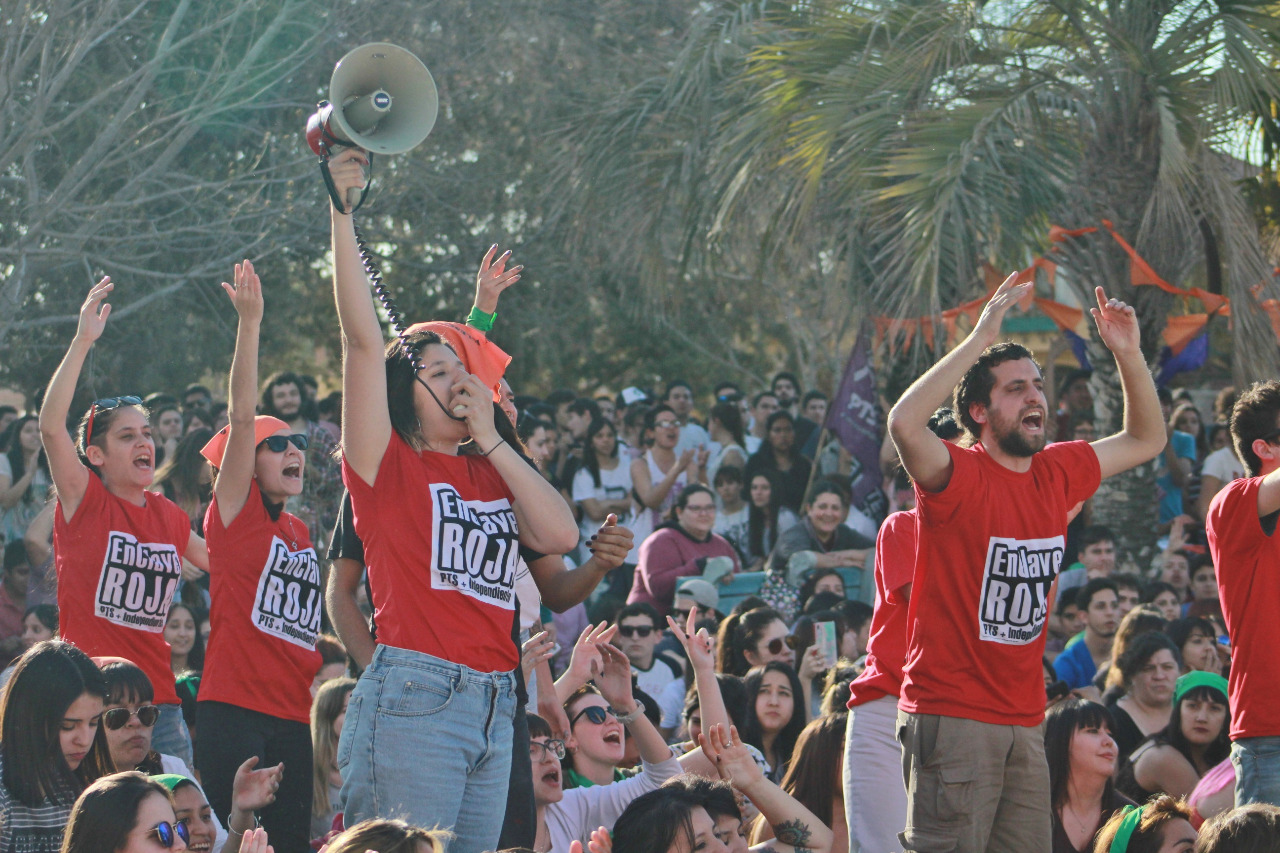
794	833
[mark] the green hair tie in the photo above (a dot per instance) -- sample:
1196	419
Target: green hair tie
1197	678
1132	817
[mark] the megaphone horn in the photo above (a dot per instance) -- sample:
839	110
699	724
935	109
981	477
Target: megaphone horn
381	98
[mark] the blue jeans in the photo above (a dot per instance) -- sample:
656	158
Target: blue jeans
429	741
171	735
1257	763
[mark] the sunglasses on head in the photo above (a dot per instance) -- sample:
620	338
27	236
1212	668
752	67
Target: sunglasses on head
118	718
279	443
777	643
594	714
166	832
106	404
630	631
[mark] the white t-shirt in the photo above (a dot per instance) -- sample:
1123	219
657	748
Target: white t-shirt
726	521
584	809
655	679
1223	464
614	485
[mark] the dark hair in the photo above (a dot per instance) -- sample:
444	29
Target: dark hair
17	457
195	658
733	690
530	425
46	681
585	406
674	384
1095	533
978	381
762	520
1095	585
1255	414
107	812
126	681
1172	734
1143	619
46	613
855	613
102	420
1140	652
387	836
1254	828
755	401
810	582
785	741
560	397
823	486
651	415
196	388
590	460
810	396
766	454
786	374
538	727
727	474
1179	630
730	417
1126	580
814	771
179	476
944	425
1063	602
331	649
716	797
682	502
805	633
1154	590
655	821
821	601
1201	438
1073	376
739	632
639	608
1061	723
1149	836
284	377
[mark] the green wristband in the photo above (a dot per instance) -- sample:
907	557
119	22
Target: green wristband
480	320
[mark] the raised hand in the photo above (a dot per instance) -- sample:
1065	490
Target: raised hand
1006	296
614	680
1117	324
585	662
255	841
541	646
493	278
255	789
347	169
246	293
94	312
610	544
697	643
601	842
730	755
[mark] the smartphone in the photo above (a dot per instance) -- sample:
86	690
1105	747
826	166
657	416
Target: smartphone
825	640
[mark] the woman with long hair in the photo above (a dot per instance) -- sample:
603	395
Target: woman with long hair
603	484
125	813
816	779
724	425
668	820
752	638
774	716
767	519
24	477
128	718
49	714
680	548
441	527
660	475
266	595
186	646
1197	643
1148	673
1082	758
186	478
1195	741
119	548
328	713
779	454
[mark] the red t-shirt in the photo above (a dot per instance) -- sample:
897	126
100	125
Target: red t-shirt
265	616
118	566
1248	559
440	541
887	643
990	547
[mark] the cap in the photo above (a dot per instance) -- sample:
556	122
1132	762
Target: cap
700	591
263	426
1197	678
632	394
480	356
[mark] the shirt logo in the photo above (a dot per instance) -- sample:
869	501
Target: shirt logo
137	582
474	547
1015	588
288	603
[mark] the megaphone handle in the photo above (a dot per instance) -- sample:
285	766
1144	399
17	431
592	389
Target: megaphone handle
353	201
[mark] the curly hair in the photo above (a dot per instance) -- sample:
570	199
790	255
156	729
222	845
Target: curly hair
979	380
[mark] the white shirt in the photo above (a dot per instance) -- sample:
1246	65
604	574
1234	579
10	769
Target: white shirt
584	810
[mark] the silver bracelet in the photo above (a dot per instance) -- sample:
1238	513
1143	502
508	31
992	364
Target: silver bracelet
628	719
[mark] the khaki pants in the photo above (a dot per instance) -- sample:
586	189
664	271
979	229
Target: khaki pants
973	787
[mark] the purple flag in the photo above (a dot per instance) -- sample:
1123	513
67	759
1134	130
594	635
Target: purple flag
854	419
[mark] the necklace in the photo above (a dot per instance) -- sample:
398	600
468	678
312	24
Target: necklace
1082	826
293	534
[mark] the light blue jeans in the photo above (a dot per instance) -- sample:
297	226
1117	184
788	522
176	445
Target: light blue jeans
171	735
429	741
1257	763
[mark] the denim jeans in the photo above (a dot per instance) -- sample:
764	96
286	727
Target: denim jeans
875	802
429	741
171	735
1257	763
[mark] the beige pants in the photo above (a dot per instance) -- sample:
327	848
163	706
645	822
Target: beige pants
973	787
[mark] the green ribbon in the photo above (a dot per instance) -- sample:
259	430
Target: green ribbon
1132	817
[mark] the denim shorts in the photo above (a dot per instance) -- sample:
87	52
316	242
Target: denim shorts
429	741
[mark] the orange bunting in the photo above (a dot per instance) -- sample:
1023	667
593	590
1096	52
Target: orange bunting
1272	307
1182	330
926	331
1140	272
1063	316
1058	234
1213	303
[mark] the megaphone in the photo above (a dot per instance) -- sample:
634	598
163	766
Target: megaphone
381	98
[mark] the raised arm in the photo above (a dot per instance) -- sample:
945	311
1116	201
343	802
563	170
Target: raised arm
366	423
1143	435
70	476
923	454
236	472
653	494
697	647
491	280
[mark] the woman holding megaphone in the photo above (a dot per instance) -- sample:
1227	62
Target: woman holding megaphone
441	499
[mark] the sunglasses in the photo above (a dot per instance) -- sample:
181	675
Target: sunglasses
538	749
118	718
166	832
630	631
594	714
280	443
106	404
666	424
777	643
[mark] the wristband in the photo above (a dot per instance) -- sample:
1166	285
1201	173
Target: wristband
628	719
501	442
480	320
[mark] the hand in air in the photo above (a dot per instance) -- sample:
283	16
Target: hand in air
585	662
698	644
1006	296
614	679
347	169
1117	324
610	544
253	790
255	841
94	312
246	293
600	842
732	759
541	646
493	278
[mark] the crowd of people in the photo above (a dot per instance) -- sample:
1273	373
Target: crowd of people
427	612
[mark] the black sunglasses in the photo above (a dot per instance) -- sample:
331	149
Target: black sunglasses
279	443
594	714
776	644
106	404
165	832
641	631
118	718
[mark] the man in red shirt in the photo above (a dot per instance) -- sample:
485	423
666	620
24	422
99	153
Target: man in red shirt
991	533
1241	525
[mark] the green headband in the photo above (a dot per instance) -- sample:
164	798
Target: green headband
172	780
1132	817
1195	679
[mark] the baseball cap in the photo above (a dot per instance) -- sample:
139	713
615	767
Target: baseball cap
700	591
